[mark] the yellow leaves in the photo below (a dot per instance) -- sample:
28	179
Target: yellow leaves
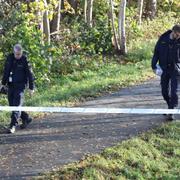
53	2
36	7
33	5
51	49
41	6
24	7
31	16
68	8
50	15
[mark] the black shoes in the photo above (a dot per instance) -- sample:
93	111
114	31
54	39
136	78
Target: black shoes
25	123
170	117
12	128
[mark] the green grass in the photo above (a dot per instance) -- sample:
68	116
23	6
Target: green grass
153	155
90	83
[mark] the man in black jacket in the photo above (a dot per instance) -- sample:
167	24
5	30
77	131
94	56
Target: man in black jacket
17	75
167	54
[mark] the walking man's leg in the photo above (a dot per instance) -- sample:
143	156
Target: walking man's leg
25	119
174	96
173	102
14	115
15	97
165	79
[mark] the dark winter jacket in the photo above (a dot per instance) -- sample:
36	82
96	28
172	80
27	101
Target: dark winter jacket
20	71
161	52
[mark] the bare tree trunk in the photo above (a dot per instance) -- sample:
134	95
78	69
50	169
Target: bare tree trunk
55	24
122	29
89	12
39	17
113	26
153	8
140	11
85	11
46	25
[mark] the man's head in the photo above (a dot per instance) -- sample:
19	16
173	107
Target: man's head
18	51
176	32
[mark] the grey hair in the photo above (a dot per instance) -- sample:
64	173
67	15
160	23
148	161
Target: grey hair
18	48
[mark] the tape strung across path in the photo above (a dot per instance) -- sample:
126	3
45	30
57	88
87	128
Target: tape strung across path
90	110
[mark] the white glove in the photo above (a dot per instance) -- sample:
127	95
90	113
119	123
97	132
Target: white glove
158	71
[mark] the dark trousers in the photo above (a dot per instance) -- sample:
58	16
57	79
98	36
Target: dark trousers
169	85
15	98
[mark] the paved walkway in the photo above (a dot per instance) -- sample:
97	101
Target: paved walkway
63	138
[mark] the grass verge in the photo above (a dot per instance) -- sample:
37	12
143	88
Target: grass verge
153	155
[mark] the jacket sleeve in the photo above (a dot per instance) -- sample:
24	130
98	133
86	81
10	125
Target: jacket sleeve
178	52
6	72
155	58
30	75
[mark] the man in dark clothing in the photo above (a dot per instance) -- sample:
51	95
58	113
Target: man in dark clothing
167	54
17	75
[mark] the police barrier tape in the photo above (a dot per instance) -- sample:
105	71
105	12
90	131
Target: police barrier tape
90	110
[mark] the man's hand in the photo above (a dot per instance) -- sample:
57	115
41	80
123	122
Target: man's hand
3	89
2	86
31	92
